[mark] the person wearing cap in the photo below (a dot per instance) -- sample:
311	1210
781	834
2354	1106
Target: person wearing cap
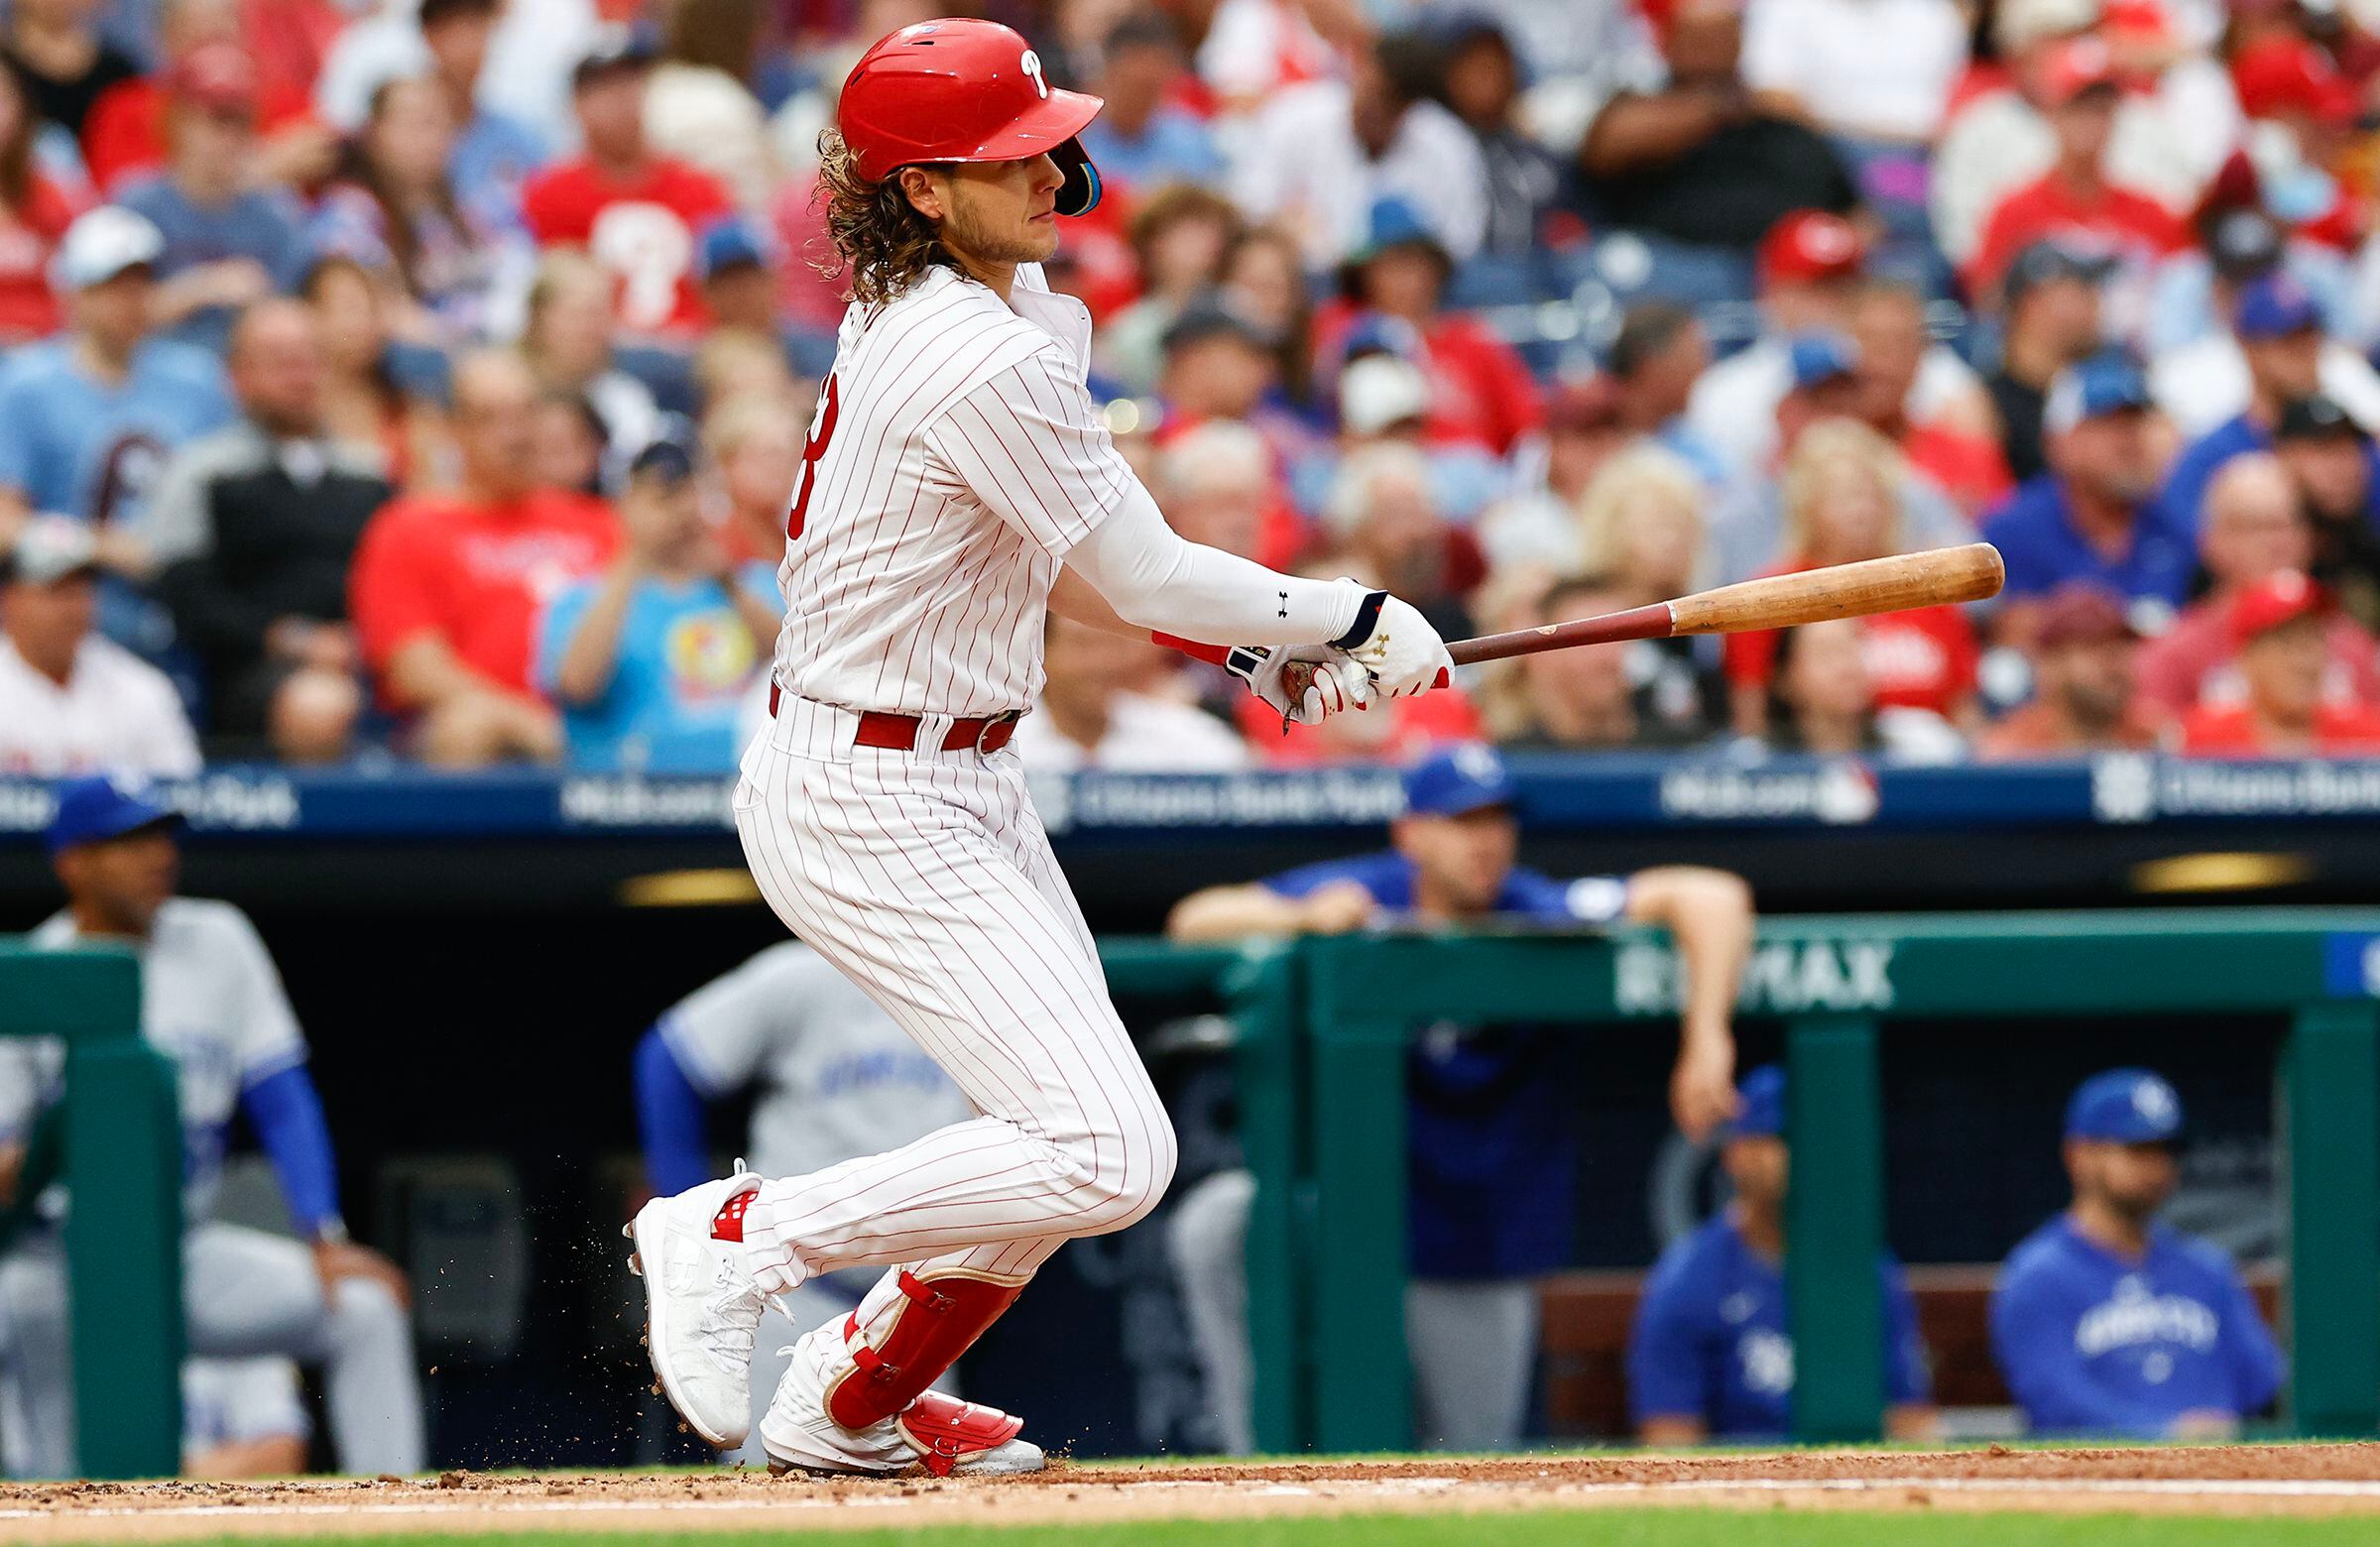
446	587
2095	515
87	418
2336	470
70	699
2279	328
2085	698
2281	633
1491	1149
1809	268
125	135
1383	396
649	662
663	201
1319	156
1695	157
254	528
2080	91
2106	1322
1393	290
2050	319
2254	529
227	241
212	1002
1711	1350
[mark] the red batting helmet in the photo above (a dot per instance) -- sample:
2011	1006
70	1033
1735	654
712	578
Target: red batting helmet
960	90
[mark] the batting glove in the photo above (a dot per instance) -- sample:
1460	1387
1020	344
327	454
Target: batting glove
1304	683
1397	646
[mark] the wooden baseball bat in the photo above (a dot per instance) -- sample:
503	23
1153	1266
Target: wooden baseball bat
1876	585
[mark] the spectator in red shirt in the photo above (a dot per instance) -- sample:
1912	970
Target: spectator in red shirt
1842	504
125	135
1480	388
2075	199
2281	626
635	212
2085	657
446	587
34	214
2254	529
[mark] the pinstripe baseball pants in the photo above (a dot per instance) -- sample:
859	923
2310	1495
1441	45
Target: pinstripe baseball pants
928	880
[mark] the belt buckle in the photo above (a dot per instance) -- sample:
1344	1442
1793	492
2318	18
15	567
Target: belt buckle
984	732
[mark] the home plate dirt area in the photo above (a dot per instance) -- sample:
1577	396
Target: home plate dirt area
2265	1479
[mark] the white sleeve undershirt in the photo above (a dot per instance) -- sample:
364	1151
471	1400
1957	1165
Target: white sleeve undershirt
1156	579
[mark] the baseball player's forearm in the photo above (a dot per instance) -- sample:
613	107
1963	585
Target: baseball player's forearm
1155	579
1234	913
1709	915
287	1117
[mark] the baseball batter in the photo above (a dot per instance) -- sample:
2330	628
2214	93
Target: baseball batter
955	484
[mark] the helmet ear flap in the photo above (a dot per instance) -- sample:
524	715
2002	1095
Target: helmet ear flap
1079	194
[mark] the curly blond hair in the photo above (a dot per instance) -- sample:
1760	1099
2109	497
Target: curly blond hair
882	244
1643	473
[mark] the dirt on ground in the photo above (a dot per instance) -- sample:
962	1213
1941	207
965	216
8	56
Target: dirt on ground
2259	1480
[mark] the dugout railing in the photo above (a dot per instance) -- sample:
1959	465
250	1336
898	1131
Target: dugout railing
1327	1023
118	1142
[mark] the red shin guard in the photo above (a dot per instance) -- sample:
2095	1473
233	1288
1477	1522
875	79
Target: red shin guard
939	1320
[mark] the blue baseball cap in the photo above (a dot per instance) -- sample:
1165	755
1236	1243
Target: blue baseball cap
99	808
729	241
2274	305
2124	1106
1761	1113
2102	384
1819	358
1458	780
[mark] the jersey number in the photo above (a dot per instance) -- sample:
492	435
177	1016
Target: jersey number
814	446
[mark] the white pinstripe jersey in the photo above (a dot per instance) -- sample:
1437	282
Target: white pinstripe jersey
954	459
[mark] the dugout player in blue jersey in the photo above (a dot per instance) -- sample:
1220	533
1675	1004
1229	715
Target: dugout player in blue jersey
2106	1322
1493	1164
1710	1357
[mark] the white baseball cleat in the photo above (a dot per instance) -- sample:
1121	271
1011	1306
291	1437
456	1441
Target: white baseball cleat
701	1307
946	1437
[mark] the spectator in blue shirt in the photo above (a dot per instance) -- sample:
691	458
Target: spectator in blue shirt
2106	1322
650	661
227	241
1711	1356
493	154
87	418
1493	1159
2278	325
1142	138
2095	515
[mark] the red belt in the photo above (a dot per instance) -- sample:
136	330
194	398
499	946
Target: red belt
898	732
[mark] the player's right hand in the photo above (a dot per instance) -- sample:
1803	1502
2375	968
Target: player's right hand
1403	653
1303	683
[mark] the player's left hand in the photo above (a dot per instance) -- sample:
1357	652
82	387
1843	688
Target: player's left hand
1701	1087
337	1260
1305	685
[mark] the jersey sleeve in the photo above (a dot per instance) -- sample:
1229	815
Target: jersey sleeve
723	1032
1028	443
268	1041
1665	1346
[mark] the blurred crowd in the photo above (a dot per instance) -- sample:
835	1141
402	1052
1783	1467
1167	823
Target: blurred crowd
428	379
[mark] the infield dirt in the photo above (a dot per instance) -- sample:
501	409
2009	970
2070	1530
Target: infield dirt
2236	1480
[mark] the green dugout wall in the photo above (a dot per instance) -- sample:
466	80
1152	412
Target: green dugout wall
121	1139
1325	1023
